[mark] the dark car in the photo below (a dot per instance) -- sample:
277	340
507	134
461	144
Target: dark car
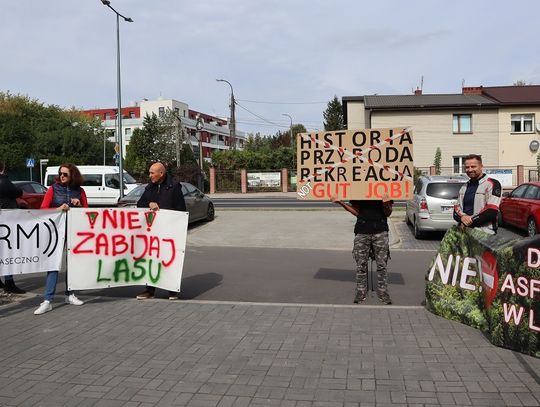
521	208
33	194
199	206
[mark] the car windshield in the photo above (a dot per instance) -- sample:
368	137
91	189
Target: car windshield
137	192
128	179
443	190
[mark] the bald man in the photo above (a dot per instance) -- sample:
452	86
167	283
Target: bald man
161	193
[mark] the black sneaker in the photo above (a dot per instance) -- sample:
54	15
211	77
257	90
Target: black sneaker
359	297
10	287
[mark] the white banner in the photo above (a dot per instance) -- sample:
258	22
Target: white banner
115	247
31	241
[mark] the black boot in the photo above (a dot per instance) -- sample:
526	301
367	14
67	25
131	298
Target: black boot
10	287
1	284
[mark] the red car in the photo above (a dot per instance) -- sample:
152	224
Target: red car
521	208
33	193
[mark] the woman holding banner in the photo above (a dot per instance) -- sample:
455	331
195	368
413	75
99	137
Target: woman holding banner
65	193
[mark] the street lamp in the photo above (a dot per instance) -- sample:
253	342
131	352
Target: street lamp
119	93
199	125
233	120
290	129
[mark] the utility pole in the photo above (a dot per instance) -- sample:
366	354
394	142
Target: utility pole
199	125
232	124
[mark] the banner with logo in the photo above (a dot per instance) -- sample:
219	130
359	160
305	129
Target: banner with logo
114	247
355	164
31	241
491	283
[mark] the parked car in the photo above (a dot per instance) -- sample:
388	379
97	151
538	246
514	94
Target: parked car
432	205
33	194
521	208
199	206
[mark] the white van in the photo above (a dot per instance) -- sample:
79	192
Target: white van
101	183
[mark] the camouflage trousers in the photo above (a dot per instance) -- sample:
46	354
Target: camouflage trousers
361	253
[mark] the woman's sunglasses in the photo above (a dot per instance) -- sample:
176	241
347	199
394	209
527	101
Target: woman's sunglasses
63	174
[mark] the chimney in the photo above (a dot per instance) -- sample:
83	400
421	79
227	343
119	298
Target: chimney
472	90
418	92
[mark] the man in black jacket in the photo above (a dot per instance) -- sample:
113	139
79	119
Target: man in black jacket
8	200
161	193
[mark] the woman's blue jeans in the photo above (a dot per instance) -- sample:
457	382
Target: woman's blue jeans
50	285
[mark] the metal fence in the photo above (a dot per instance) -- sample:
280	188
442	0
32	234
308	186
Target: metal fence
228	181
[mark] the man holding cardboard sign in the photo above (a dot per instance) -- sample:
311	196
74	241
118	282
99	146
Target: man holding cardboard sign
370	234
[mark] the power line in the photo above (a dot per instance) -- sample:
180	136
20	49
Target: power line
282	103
258	116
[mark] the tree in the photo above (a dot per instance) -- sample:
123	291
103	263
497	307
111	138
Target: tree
333	115
156	141
521	82
28	128
437	161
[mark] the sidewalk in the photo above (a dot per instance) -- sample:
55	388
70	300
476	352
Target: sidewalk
159	353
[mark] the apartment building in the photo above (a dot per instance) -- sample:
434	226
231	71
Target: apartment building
215	134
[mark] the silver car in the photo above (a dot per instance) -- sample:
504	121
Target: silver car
199	206
432	205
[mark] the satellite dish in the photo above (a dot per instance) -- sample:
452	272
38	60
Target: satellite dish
538	126
534	145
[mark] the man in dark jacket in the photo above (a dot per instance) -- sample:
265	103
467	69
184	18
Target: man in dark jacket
8	200
161	193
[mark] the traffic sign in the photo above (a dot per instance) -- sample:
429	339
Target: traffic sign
29	163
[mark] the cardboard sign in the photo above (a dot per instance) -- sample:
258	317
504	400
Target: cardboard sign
31	241
355	164
113	247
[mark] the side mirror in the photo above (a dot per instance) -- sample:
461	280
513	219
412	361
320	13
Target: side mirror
506	194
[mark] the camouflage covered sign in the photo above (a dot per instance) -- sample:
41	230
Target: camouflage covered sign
491	283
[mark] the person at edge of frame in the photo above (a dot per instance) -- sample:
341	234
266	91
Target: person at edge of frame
8	200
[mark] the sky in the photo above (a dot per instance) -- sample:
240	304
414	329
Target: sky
281	57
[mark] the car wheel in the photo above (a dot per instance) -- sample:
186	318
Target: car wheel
531	227
417	232
210	213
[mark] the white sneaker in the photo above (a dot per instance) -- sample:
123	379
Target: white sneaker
73	300
44	307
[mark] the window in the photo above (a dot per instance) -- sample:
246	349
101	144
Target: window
444	190
92	180
127	131
519	191
462	123
522	123
161	111
107	116
459	164
131	115
177	111
531	192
